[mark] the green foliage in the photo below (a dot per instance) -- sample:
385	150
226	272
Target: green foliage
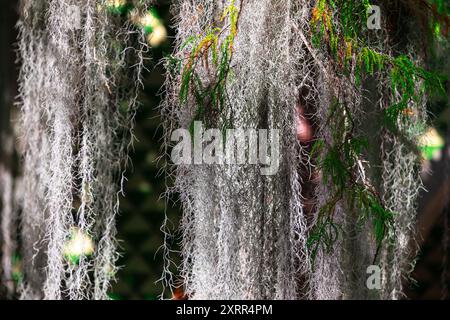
119	8
325	233
345	40
412	83
369	61
337	161
338	28
214	53
371	208
440	22
408	80
351	18
17	274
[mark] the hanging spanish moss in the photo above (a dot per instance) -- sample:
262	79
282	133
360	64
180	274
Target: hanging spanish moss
81	66
292	142
254	64
400	177
244	233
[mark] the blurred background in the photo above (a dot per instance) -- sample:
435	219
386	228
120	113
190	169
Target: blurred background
143	210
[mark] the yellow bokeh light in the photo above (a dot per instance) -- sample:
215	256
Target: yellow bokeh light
158	36
116	3
431	139
79	244
149	20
